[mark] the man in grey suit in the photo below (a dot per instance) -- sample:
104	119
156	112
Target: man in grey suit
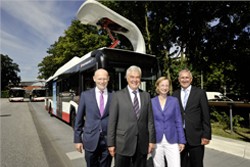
196	118
131	132
91	122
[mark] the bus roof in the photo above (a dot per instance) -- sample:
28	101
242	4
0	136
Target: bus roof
64	68
94	13
114	55
69	66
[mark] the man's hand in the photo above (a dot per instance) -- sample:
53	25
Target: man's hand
204	141
79	147
151	147
112	151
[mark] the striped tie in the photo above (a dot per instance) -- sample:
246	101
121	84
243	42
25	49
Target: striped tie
136	105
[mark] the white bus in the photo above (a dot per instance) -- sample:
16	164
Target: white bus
65	86
16	94
37	94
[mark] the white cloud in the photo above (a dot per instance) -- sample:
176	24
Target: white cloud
9	40
29	27
38	17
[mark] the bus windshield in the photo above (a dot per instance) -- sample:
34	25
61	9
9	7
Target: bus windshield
17	93
39	92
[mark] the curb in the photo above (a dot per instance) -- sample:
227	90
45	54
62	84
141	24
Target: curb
230	146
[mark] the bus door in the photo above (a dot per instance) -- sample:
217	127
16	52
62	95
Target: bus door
63	98
57	101
54	98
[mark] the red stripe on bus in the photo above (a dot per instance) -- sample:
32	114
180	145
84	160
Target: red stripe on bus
66	117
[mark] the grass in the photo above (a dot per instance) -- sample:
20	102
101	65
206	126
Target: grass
238	133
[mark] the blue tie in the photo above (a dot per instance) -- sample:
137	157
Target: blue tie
185	98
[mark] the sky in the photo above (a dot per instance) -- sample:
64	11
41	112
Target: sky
29	27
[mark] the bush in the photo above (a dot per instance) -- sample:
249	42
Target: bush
224	119
4	94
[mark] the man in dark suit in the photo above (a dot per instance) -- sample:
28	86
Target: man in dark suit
196	118
131	132
91	122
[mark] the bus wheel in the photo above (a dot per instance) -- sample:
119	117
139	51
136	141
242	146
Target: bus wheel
50	111
72	119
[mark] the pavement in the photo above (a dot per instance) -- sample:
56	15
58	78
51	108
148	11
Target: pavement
230	146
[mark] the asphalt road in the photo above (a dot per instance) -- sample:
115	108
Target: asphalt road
20	143
31	138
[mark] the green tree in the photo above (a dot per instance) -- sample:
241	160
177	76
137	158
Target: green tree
78	40
9	72
213	36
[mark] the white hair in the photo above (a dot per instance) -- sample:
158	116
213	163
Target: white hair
133	68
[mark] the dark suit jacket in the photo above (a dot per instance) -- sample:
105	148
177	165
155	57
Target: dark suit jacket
89	122
196	116
124	130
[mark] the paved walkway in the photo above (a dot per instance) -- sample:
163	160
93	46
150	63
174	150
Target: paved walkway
215	158
235	147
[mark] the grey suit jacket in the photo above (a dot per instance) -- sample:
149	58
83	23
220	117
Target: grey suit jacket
124	130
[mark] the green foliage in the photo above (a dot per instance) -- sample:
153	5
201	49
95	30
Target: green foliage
224	119
9	72
238	133
193	26
217	78
4	94
213	36
79	39
236	120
